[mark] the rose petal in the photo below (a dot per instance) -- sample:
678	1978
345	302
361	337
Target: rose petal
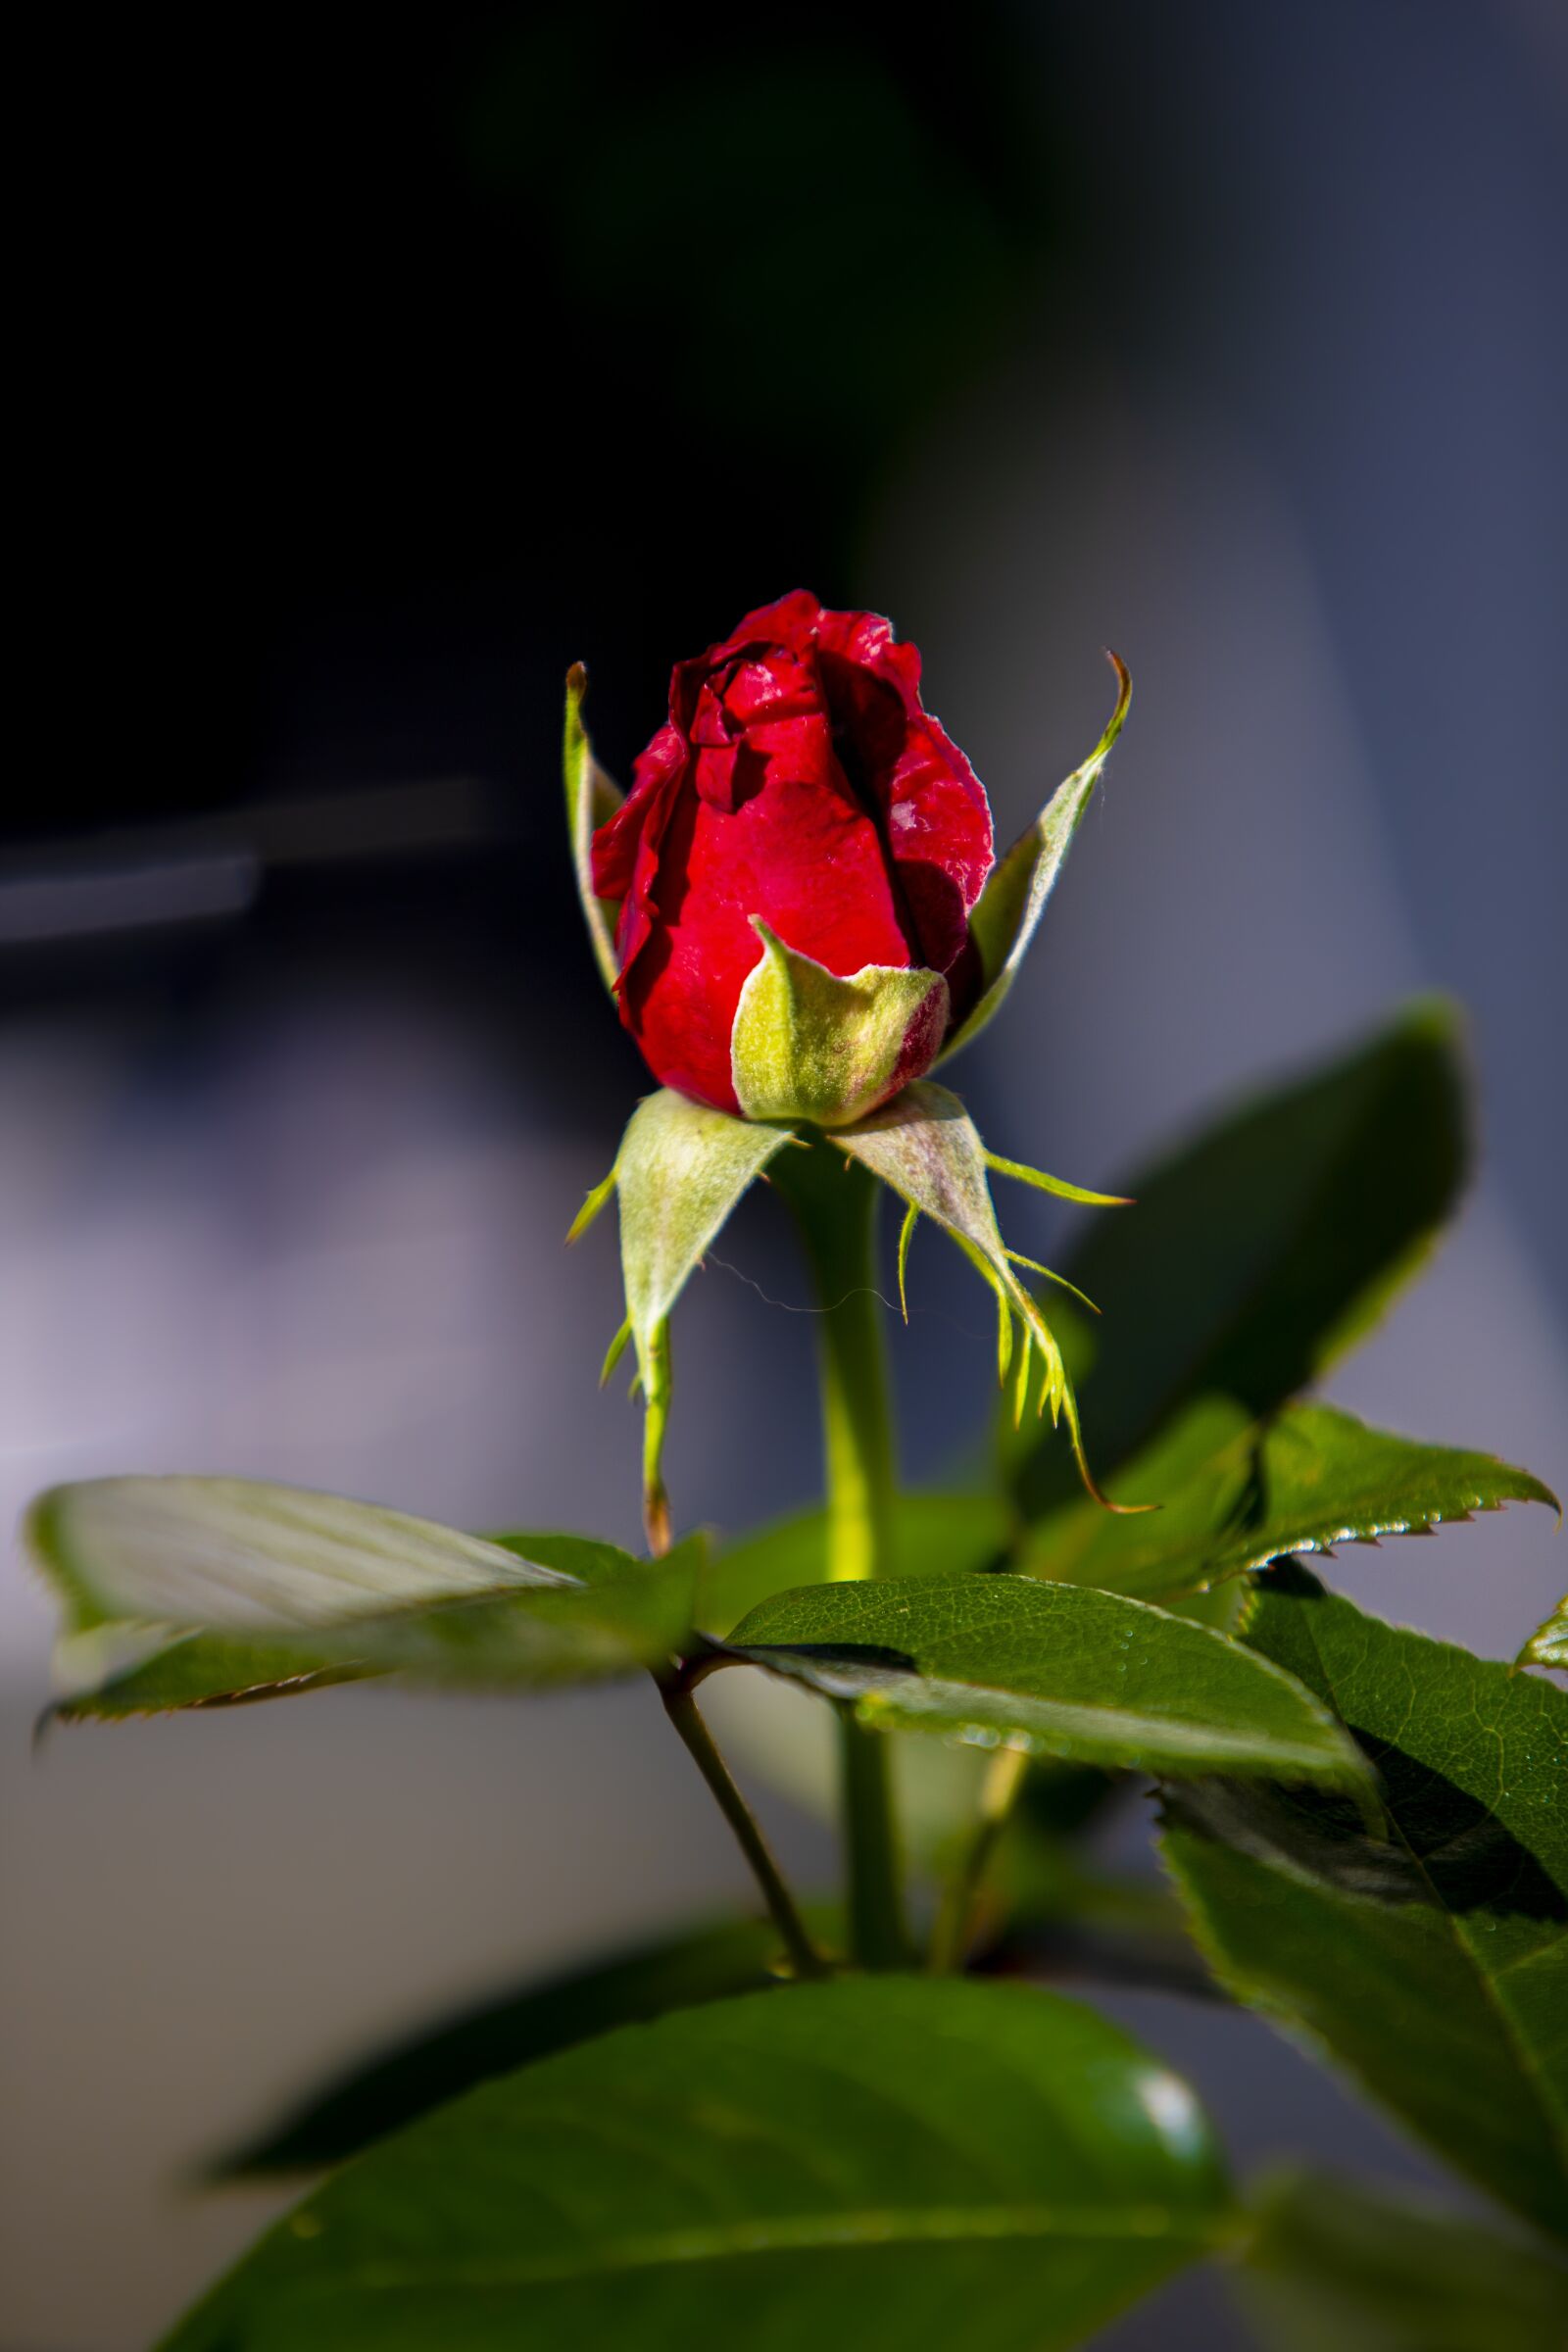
801	853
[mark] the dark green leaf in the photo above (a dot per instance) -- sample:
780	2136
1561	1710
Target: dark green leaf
1058	1669
1430	1961
1258	1253
932	1535
197	1591
1310	1479
435	2064
1337	2263
891	2162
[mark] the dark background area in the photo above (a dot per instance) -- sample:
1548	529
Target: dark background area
385	365
373	367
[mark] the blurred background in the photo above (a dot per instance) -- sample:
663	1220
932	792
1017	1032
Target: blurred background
374	369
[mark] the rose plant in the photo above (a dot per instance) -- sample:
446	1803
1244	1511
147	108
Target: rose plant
864	2120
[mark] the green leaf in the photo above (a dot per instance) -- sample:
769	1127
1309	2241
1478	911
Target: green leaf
791	1744
924	1146
1313	1477
1547	1646
1258	1253
889	2162
931	1534
1430	1961
1057	1669
188	1591
1010	907
592	800
1336	2262
809	1044
423	2069
681	1170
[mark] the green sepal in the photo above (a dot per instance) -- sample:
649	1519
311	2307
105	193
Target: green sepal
593	1203
1547	1646
1010	906
924	1146
809	1045
1042	1183
680	1170
592	800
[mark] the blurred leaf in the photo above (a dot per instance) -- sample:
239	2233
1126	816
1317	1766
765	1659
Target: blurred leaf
1310	1479
1547	1646
436	2062
1261	1252
195	1591
1007	912
904	2162
1057	1669
933	1534
1337	2263
1431	1962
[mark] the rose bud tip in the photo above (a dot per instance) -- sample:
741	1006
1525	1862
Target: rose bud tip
802	823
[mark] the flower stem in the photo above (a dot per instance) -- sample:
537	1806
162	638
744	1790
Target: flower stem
681	1708
835	1201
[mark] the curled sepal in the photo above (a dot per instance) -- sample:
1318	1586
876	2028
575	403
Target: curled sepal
592	800
924	1145
680	1171
1009	907
809	1045
1547	1646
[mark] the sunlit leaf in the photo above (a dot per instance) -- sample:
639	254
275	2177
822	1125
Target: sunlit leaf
1057	1669
194	1592
1310	1479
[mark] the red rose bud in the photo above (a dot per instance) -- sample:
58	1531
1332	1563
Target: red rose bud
795	868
